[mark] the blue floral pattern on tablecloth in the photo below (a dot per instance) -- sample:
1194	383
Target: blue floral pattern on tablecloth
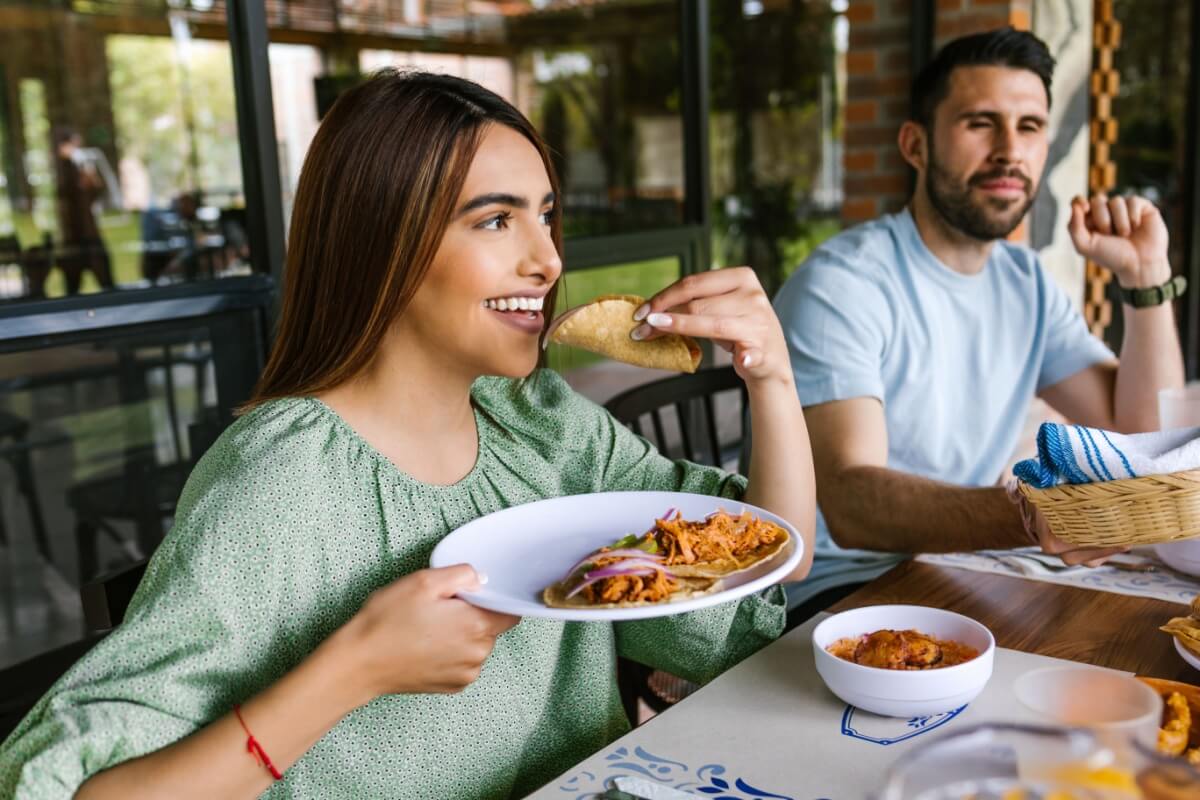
886	731
714	781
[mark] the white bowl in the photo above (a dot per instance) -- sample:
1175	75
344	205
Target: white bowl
904	693
1183	556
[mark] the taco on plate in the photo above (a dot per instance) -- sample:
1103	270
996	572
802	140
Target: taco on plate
674	560
621	577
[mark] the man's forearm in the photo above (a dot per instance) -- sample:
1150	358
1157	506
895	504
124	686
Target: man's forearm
1151	360
875	508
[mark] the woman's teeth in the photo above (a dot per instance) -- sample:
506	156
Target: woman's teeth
514	304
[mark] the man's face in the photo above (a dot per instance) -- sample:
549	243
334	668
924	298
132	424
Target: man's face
987	148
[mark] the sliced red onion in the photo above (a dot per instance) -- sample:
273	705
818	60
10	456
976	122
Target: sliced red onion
670	513
628	567
622	553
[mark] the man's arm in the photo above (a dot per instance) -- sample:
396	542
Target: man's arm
1127	235
868	506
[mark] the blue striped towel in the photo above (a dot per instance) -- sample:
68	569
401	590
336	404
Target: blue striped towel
1075	454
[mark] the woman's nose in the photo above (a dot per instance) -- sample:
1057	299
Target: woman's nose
543	258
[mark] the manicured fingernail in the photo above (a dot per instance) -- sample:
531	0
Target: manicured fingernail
482	576
746	359
640	332
659	320
642	311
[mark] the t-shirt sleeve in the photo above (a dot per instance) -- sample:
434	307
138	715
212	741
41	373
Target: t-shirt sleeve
835	317
1070	346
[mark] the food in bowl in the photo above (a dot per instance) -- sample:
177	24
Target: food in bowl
1179	733
904	692
675	559
908	649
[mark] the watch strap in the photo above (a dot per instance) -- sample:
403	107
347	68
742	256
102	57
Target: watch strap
1155	295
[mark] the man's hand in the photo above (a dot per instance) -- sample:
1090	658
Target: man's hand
1125	234
1072	555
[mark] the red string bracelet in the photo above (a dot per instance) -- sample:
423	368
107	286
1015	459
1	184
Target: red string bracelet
253	747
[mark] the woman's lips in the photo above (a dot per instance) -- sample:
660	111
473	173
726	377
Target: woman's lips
525	321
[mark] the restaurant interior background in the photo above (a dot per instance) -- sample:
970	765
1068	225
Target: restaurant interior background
149	150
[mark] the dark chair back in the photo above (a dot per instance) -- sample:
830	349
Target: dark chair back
106	596
691	401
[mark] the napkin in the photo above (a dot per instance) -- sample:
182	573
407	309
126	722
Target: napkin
1076	454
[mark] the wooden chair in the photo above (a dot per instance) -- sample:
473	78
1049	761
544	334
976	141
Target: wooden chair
689	401
684	415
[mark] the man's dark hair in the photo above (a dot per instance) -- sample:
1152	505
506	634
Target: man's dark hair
1005	47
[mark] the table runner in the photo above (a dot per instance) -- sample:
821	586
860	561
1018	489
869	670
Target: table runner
1161	584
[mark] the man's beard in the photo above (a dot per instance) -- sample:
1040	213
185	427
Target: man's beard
991	219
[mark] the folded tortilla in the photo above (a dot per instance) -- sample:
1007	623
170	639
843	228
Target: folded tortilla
1186	630
733	564
603	326
555	595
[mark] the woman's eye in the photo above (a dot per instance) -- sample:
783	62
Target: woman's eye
547	216
496	223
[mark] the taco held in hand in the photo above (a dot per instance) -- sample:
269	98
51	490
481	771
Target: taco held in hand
674	560
603	326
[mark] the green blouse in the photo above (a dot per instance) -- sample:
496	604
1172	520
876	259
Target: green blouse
288	523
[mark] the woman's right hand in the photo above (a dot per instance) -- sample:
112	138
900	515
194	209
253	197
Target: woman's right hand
414	635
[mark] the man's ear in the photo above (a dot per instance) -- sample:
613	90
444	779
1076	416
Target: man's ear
913	141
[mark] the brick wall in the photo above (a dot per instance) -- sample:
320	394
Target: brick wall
878	76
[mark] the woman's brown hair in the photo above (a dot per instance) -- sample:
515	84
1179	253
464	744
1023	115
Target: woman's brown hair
376	193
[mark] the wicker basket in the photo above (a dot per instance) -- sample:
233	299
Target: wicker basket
1149	510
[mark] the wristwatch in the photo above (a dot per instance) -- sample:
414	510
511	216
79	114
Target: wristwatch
1155	295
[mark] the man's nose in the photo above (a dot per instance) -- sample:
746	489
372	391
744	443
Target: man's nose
1006	147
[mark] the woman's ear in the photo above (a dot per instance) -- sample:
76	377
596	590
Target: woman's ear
913	140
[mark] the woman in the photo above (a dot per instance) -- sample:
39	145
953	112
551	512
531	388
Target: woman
294	580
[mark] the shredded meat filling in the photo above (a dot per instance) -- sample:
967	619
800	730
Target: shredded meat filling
720	537
630	588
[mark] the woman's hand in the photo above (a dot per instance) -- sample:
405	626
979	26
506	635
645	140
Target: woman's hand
415	636
730	307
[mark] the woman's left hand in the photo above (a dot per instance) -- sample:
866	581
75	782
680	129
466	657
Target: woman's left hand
729	307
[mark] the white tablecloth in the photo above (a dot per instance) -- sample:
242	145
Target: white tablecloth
769	728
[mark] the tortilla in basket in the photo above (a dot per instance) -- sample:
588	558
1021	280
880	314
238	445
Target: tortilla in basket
555	595
731	563
603	326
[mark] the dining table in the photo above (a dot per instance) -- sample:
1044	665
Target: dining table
769	728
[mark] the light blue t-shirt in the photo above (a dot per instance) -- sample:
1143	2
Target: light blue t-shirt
955	359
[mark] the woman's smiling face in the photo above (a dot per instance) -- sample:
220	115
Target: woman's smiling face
480	305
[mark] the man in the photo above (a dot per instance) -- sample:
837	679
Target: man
79	186
920	339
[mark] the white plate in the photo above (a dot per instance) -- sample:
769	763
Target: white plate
526	548
1186	655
